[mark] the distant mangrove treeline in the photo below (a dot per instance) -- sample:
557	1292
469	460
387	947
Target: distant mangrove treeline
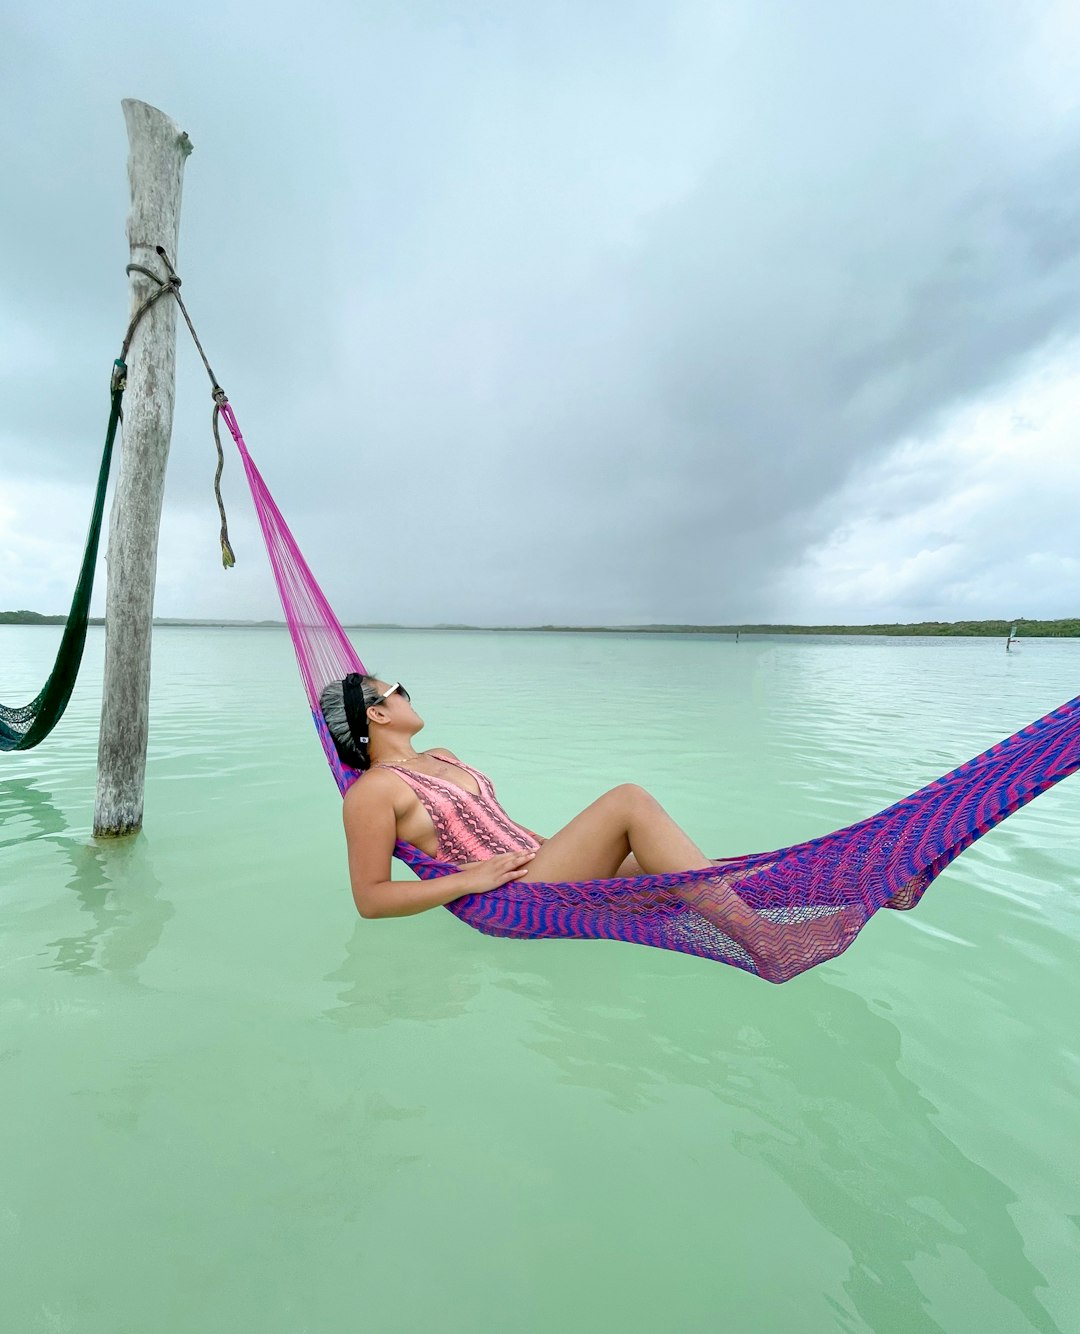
36	618
1068	628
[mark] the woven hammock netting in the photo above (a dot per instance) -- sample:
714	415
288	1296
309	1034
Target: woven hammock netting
887	860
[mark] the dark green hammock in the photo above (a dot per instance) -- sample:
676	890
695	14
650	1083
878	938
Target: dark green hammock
23	727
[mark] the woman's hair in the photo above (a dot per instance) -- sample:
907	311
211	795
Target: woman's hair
336	708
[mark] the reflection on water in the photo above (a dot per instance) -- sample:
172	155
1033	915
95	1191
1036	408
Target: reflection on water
115	885
113	882
840	1155
26	811
840	1131
376	990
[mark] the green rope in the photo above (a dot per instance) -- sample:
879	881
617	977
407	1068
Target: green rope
22	728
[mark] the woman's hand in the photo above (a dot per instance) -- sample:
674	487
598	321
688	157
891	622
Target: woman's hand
479	877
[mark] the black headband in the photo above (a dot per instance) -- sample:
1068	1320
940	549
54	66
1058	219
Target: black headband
355	708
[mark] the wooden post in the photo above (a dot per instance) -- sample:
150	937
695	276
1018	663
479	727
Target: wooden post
158	149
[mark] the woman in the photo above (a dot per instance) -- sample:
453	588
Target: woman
448	810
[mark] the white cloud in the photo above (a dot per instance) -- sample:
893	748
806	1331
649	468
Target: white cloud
978	518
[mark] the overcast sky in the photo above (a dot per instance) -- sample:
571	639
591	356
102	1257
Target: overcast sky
576	311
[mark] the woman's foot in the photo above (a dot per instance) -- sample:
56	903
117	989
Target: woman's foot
782	950
778	950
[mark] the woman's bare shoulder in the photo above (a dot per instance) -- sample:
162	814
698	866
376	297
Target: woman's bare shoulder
373	788
440	751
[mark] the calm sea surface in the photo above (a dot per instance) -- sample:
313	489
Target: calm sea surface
229	1104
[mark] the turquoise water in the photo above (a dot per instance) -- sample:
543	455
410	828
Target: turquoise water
231	1104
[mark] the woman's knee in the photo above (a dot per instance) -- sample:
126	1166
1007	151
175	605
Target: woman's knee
630	797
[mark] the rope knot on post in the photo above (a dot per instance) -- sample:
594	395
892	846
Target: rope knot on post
171	284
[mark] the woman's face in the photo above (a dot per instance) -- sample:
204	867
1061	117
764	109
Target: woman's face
398	705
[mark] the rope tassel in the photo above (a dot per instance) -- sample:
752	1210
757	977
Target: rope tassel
228	556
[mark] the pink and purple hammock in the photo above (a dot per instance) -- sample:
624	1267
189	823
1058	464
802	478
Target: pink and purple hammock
887	860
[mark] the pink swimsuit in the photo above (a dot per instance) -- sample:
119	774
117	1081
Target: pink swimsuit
469	828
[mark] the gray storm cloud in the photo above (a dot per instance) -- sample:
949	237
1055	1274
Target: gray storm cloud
543	314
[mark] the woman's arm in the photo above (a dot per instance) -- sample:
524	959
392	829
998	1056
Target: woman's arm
370	821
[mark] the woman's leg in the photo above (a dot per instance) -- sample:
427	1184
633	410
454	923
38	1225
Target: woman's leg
627	821
623	822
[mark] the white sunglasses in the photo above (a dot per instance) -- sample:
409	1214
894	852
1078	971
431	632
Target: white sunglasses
389	691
